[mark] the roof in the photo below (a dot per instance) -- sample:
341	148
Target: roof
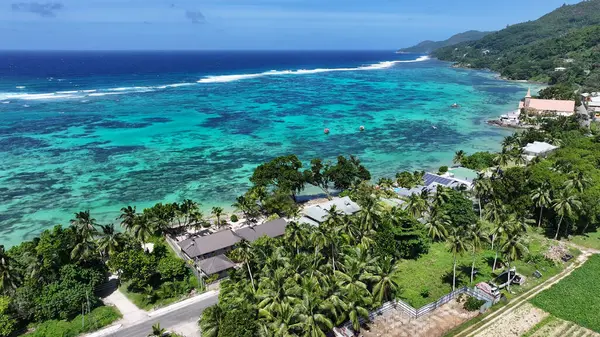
201	245
197	246
539	147
271	229
407	192
550	105
431	178
319	212
215	264
308	221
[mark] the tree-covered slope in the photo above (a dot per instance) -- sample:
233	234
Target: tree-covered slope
567	37
430	46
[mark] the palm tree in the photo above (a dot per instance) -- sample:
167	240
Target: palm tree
142	229
8	276
84	250
217	211
503	158
437	227
441	196
283	320
313	322
210	320
457	246
294	235
84	224
495	211
416	205
127	217
513	249
459	156
244	253
579	182
482	187
565	204
369	214
190	210
356	303
384	279
519	156
476	236
157	331
541	197
110	240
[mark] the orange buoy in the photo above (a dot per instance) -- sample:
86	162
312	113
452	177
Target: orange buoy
326	131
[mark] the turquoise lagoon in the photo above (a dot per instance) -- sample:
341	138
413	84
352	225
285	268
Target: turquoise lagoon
148	142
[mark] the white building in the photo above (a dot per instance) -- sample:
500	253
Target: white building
315	215
536	149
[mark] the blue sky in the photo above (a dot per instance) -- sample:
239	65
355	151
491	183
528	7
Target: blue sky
251	24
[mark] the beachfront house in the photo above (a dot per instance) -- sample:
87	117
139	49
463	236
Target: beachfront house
315	215
431	182
546	107
208	251
537	149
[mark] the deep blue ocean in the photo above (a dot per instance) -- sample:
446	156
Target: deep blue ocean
101	130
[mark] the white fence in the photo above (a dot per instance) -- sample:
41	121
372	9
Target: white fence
346	329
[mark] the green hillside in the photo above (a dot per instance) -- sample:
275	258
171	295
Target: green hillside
568	37
430	46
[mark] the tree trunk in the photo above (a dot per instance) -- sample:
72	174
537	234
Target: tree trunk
454	274
473	265
540	220
251	278
508	278
558	228
495	261
480	217
332	258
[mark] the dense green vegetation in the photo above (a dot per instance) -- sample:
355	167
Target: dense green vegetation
98	318
427	47
568	37
575	298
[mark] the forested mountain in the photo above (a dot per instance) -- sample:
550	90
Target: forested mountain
430	46
568	37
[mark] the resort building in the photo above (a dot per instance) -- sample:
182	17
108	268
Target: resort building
208	251
431	181
545	107
537	149
591	101
316	214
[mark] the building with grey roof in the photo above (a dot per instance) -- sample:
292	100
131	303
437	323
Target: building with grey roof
215	265
316	214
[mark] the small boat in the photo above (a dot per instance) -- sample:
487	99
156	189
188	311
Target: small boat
362	128
455	105
434	127
326	131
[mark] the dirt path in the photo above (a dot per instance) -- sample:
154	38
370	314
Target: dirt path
476	329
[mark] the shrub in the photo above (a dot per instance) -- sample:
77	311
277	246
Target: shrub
233	218
98	318
171	268
473	304
7	323
273	217
443	169
425	292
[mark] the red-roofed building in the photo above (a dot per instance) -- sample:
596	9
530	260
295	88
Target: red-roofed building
547	106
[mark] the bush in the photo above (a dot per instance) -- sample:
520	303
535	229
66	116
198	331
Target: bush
98	318
7	323
171	268
425	292
478	161
233	218
443	169
473	304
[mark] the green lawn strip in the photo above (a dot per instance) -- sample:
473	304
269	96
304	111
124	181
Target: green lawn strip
576	298
432	273
95	320
142	301
589	240
548	320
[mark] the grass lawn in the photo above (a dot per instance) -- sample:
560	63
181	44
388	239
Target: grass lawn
432	273
577	297
141	300
590	240
95	320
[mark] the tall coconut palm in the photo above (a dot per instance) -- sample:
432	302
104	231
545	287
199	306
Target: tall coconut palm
437	227
495	211
313	323
385	279
459	156
369	214
482	187
294	235
244	253
416	206
503	158
565	204
84	250
513	248
110	240
217	211
457	246
210	320
441	196
127	217
541	197
8	277
142	229
283	320
189	210
519	156
84	224
476	236
579	182
356	302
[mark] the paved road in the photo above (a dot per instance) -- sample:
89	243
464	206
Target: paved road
176	317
